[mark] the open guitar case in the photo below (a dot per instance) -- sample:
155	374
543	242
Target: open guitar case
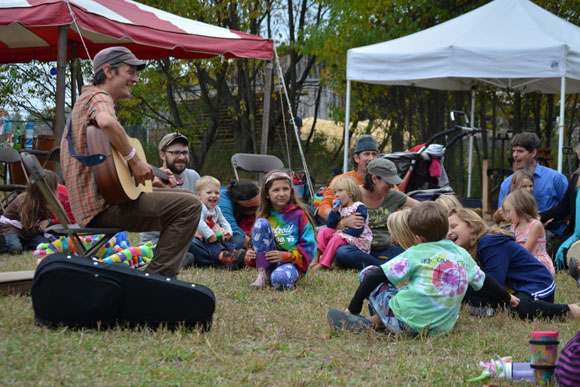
79	292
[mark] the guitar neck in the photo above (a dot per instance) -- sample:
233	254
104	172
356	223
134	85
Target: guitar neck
160	173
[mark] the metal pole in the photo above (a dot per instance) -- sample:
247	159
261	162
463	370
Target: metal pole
469	166
60	80
346	128
266	112
561	123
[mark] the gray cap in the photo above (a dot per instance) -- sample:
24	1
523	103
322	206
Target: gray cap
170	138
366	143
114	56
385	169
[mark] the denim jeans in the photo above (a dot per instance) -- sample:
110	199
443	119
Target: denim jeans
15	244
350	257
202	254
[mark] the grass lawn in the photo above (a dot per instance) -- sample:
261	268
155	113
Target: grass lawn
259	337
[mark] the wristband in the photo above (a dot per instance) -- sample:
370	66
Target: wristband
49	221
131	154
341	224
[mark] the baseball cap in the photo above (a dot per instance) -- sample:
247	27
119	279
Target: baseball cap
366	143
385	169
114	56
170	138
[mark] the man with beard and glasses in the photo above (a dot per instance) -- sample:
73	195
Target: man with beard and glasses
174	155
549	184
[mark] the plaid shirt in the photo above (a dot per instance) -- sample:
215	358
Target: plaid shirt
85	200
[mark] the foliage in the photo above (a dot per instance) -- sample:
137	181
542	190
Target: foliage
259	337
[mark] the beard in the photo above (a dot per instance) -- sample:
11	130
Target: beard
176	170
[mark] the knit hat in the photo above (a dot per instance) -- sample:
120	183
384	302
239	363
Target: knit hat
114	56
385	169
170	138
366	143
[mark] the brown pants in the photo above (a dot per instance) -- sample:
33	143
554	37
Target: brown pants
173	212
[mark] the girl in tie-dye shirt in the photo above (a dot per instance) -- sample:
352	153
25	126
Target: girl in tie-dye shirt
283	235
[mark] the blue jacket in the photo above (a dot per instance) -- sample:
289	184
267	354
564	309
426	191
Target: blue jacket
510	264
334	218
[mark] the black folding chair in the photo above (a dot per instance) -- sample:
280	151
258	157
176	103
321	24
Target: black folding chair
260	164
37	176
8	156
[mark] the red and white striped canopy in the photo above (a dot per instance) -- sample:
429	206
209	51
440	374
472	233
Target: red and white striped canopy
29	30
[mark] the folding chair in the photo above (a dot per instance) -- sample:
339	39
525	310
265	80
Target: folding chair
8	156
52	157
260	164
38	177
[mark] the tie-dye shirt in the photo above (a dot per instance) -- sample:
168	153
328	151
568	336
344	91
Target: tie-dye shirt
295	234
438	273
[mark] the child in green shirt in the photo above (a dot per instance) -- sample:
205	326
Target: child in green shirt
438	271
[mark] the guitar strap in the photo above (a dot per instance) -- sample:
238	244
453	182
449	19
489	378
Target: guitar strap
88	160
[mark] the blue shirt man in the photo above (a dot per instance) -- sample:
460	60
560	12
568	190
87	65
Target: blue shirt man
549	185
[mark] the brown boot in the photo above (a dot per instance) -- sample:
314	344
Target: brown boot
262	280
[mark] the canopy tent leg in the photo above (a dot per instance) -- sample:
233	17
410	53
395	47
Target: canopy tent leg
470	161
266	109
561	122
346	128
60	80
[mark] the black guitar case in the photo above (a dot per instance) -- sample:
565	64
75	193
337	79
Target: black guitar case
75	291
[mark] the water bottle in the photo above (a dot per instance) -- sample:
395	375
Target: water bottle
17	138
7	128
29	136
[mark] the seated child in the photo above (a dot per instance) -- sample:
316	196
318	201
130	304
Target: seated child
213	228
522	179
520	208
348	201
23	223
438	272
283	236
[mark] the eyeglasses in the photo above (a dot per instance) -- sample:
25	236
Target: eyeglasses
178	153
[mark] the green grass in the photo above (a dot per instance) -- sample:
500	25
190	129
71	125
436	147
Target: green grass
259	337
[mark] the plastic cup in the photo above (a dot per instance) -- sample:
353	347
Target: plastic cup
544	348
543	374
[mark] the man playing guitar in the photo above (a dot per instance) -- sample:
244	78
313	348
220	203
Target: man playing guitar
173	212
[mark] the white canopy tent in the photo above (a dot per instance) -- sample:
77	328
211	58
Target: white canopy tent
511	44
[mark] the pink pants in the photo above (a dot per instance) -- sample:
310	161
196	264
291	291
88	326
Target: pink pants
328	243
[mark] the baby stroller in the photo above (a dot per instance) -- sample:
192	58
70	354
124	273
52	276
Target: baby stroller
421	168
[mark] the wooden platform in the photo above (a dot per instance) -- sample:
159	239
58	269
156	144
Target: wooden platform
16	282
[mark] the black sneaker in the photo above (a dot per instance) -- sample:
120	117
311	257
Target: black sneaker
188	260
337	320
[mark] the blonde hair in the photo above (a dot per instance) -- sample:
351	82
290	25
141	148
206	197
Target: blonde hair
448	202
205	181
348	184
265	205
399	229
477	225
523	203
518	179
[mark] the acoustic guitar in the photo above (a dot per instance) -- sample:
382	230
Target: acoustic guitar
114	177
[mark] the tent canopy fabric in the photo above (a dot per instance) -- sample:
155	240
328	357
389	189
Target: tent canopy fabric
29	30
511	44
